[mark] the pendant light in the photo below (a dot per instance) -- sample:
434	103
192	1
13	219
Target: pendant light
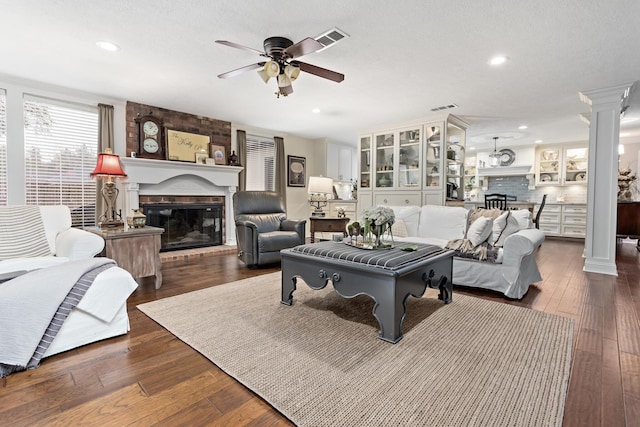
494	158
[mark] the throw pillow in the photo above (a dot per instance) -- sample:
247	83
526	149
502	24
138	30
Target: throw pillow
499	225
22	233
480	230
511	227
399	228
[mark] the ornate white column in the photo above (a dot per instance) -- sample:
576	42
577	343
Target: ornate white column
230	228
602	190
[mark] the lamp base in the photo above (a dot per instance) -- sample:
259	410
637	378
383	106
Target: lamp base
318	214
111	224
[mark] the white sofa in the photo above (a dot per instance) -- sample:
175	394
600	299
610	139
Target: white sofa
65	243
102	312
515	268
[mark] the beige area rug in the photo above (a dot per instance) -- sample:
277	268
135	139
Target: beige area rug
320	363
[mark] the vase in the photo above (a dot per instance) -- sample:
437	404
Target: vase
378	231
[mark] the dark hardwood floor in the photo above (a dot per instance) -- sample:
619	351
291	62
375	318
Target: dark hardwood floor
149	377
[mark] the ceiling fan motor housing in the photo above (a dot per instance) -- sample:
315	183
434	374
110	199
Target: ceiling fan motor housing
275	46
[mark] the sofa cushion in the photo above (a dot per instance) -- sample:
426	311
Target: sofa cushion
442	222
511	227
523	217
480	230
22	233
411	217
399	228
499	225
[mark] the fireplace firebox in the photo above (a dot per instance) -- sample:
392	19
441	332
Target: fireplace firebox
186	226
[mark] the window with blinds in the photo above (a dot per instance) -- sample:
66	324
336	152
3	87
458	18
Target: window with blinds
61	146
3	147
260	167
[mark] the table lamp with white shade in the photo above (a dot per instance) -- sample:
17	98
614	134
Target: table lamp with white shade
320	188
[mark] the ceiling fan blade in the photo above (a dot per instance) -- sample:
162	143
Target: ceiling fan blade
303	47
238	71
320	72
239	46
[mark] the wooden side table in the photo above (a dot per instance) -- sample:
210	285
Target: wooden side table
319	224
137	250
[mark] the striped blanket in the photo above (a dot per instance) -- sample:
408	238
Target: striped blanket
34	306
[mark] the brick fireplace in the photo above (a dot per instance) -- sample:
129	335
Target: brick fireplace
167	182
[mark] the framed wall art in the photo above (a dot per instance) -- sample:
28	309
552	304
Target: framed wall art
218	154
296	171
183	146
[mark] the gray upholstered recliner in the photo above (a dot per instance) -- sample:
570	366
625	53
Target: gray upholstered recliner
262	227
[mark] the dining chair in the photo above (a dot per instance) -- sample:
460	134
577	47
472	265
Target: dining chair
495	201
536	220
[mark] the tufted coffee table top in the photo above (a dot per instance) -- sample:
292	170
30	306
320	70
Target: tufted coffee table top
387	259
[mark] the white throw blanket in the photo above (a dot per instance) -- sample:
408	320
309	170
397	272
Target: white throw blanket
28	304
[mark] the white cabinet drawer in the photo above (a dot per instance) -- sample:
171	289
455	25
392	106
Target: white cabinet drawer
573	231
575	209
550	229
574	219
395	199
550	217
550	208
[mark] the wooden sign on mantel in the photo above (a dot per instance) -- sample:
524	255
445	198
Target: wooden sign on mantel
183	146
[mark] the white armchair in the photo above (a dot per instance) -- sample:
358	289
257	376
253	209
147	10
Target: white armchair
65	243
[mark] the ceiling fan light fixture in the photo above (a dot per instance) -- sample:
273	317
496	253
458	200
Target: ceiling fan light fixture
284	80
263	74
292	72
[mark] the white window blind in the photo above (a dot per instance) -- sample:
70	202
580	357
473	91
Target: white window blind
261	160
3	147
61	145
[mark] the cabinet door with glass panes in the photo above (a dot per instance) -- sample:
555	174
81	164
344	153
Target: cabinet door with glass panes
575	165
433	166
455	146
470	168
548	166
364	148
409	154
384	147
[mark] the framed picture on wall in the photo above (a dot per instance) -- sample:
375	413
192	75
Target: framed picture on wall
296	171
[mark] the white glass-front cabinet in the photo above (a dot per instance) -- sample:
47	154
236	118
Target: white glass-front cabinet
556	166
433	158
364	150
397	159
575	165
455	143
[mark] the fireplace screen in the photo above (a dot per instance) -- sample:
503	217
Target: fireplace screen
186	225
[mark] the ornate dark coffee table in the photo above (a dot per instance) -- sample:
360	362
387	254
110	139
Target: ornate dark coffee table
387	276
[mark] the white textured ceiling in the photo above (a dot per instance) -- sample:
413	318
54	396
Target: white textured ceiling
401	59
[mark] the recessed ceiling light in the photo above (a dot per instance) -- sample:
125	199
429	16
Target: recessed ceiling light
111	47
523	127
315	110
472	148
628	119
498	60
538	141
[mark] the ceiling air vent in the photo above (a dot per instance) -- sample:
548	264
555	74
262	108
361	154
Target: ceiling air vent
445	107
331	37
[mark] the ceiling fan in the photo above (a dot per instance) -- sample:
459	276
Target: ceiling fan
282	65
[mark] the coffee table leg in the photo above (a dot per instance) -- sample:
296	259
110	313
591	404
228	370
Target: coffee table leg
446	290
288	286
390	315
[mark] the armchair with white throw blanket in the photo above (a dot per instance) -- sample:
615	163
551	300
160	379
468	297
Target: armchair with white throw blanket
49	279
33	237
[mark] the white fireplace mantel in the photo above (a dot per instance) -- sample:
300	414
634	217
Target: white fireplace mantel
168	178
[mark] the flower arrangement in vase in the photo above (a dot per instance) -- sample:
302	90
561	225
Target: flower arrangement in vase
377	223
